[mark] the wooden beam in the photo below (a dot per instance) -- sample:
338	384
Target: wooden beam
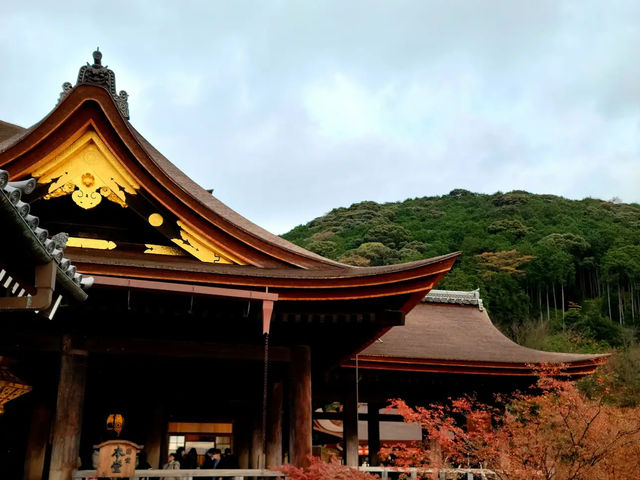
383	417
183	289
185	349
300	425
69	409
45	283
156	347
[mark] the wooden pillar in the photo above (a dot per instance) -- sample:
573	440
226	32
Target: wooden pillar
164	440
274	426
38	442
155	436
373	433
300	425
241	441
256	459
350	426
68	417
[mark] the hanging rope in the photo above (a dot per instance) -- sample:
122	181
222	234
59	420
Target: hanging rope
264	399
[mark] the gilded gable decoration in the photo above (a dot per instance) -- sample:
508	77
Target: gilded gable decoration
89	172
202	248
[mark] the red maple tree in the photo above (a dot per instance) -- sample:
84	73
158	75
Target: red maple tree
552	432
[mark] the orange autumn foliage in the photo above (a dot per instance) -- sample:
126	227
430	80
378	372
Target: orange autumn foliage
555	433
321	470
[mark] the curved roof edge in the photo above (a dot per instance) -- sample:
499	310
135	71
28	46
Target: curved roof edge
194	197
206	199
448	338
9	130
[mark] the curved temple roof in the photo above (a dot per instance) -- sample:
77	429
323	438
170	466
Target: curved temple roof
91	111
442	336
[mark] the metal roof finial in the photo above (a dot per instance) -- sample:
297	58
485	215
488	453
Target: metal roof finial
97	57
100	76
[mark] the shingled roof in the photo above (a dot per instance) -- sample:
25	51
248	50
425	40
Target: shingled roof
443	334
8	130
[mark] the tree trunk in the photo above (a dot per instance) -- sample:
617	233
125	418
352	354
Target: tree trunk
555	305
562	290
620	312
548	314
633	310
540	304
609	302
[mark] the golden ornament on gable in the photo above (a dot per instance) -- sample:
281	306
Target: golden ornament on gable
88	180
88	171
93	243
202	248
163	250
66	189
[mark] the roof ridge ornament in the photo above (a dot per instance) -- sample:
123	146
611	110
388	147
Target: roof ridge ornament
455	296
100	76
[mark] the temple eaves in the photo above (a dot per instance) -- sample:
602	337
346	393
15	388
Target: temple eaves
30	245
99	76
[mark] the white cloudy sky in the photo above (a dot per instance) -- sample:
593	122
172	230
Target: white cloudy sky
290	108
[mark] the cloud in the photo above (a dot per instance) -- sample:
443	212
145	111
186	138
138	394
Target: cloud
289	109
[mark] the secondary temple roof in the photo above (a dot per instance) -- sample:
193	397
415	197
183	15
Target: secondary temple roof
450	332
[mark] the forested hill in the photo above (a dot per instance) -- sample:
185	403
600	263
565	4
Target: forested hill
527	253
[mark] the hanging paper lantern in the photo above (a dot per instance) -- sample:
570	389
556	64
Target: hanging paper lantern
115	422
11	387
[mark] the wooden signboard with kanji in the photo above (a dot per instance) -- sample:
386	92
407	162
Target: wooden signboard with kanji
117	458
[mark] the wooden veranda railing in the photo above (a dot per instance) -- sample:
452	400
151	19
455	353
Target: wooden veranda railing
443	474
385	473
234	474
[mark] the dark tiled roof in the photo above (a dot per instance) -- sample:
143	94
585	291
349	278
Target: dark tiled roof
21	231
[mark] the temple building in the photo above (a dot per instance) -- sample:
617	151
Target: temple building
200	328
448	347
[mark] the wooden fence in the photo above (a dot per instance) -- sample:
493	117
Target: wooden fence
443	474
234	474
